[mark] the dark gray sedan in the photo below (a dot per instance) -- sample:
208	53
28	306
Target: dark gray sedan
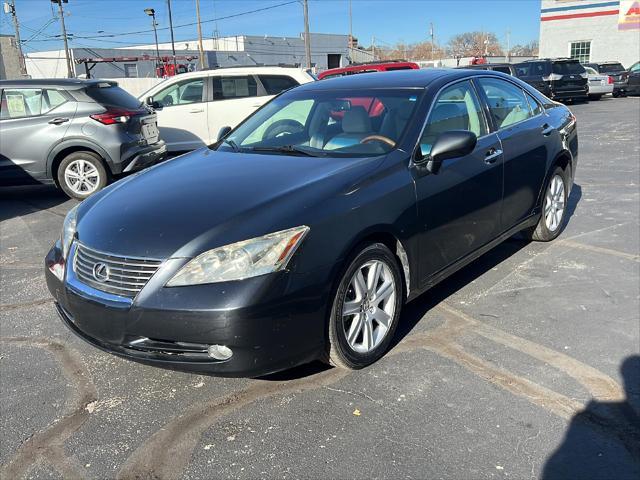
74	133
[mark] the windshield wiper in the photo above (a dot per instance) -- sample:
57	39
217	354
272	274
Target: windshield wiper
232	144
289	149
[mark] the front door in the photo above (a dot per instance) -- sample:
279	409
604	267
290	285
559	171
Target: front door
459	207
182	115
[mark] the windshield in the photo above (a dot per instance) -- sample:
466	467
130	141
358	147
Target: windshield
328	123
611	67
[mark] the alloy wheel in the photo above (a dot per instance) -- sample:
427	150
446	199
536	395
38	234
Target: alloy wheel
82	177
369	306
554	204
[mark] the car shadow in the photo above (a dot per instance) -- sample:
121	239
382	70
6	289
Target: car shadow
603	440
24	200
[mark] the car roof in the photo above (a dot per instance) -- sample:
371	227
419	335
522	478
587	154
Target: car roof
257	69
395	79
67	83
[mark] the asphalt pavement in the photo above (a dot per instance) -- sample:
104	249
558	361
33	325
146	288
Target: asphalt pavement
526	364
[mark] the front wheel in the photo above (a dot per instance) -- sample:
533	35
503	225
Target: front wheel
366	308
82	173
554	208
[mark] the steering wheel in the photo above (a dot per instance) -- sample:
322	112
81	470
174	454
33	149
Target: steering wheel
378	138
282	127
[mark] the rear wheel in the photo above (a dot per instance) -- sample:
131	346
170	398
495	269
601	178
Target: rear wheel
366	308
82	173
595	97
554	208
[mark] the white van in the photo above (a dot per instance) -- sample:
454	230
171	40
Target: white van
193	107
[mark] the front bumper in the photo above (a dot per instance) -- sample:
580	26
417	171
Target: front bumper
270	323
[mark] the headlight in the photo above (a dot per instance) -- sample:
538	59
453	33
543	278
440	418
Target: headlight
240	260
68	231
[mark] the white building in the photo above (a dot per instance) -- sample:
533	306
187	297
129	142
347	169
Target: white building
591	30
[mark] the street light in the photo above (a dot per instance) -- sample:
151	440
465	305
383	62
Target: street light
152	13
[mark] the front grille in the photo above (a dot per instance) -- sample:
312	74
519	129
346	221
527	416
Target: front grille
125	276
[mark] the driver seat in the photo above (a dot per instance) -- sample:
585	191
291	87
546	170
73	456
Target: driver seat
356	125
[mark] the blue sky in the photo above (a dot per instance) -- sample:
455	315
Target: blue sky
390	21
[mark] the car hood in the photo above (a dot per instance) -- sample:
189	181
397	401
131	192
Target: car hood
207	199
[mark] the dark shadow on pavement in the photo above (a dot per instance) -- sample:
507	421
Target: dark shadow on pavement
23	200
603	441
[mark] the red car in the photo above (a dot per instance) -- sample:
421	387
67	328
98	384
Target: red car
385	66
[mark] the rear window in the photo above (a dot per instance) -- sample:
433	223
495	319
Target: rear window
567	68
112	95
611	67
398	68
274	84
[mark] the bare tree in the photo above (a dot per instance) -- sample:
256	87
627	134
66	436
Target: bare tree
527	50
474	44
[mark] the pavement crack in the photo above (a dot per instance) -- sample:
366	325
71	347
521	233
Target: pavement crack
48	444
18	306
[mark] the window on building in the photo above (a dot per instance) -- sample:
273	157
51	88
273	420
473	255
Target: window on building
580	51
130	70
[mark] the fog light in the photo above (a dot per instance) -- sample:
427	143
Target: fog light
58	270
220	352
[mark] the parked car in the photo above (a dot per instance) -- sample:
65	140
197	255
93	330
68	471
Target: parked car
268	250
599	85
508	68
558	78
192	107
76	134
616	71
632	86
370	67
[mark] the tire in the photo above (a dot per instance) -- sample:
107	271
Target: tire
91	164
595	97
350	345
548	228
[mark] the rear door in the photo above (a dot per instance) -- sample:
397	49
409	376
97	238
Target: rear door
182	114
521	126
32	121
458	208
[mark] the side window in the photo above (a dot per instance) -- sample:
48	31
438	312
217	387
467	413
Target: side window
507	102
53	98
635	68
274	84
457	108
502	69
535	106
24	102
181	93
241	86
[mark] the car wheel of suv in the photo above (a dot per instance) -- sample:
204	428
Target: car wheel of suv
554	208
366	308
82	173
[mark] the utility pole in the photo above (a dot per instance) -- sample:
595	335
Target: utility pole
350	26
64	37
11	9
431	35
200	48
307	43
173	46
509	46
373	47
152	13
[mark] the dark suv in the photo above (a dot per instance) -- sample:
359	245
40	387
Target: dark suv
558	79
616	71
74	133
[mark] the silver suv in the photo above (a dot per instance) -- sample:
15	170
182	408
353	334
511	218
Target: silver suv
78	134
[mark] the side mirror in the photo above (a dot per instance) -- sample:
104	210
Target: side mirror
223	132
452	144
152	103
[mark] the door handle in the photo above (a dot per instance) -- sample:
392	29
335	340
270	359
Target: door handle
492	155
196	110
547	129
58	121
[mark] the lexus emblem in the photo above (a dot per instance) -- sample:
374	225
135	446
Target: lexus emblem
101	272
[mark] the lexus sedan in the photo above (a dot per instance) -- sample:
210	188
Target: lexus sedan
301	233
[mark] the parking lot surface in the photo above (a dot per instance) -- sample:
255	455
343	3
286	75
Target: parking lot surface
523	365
